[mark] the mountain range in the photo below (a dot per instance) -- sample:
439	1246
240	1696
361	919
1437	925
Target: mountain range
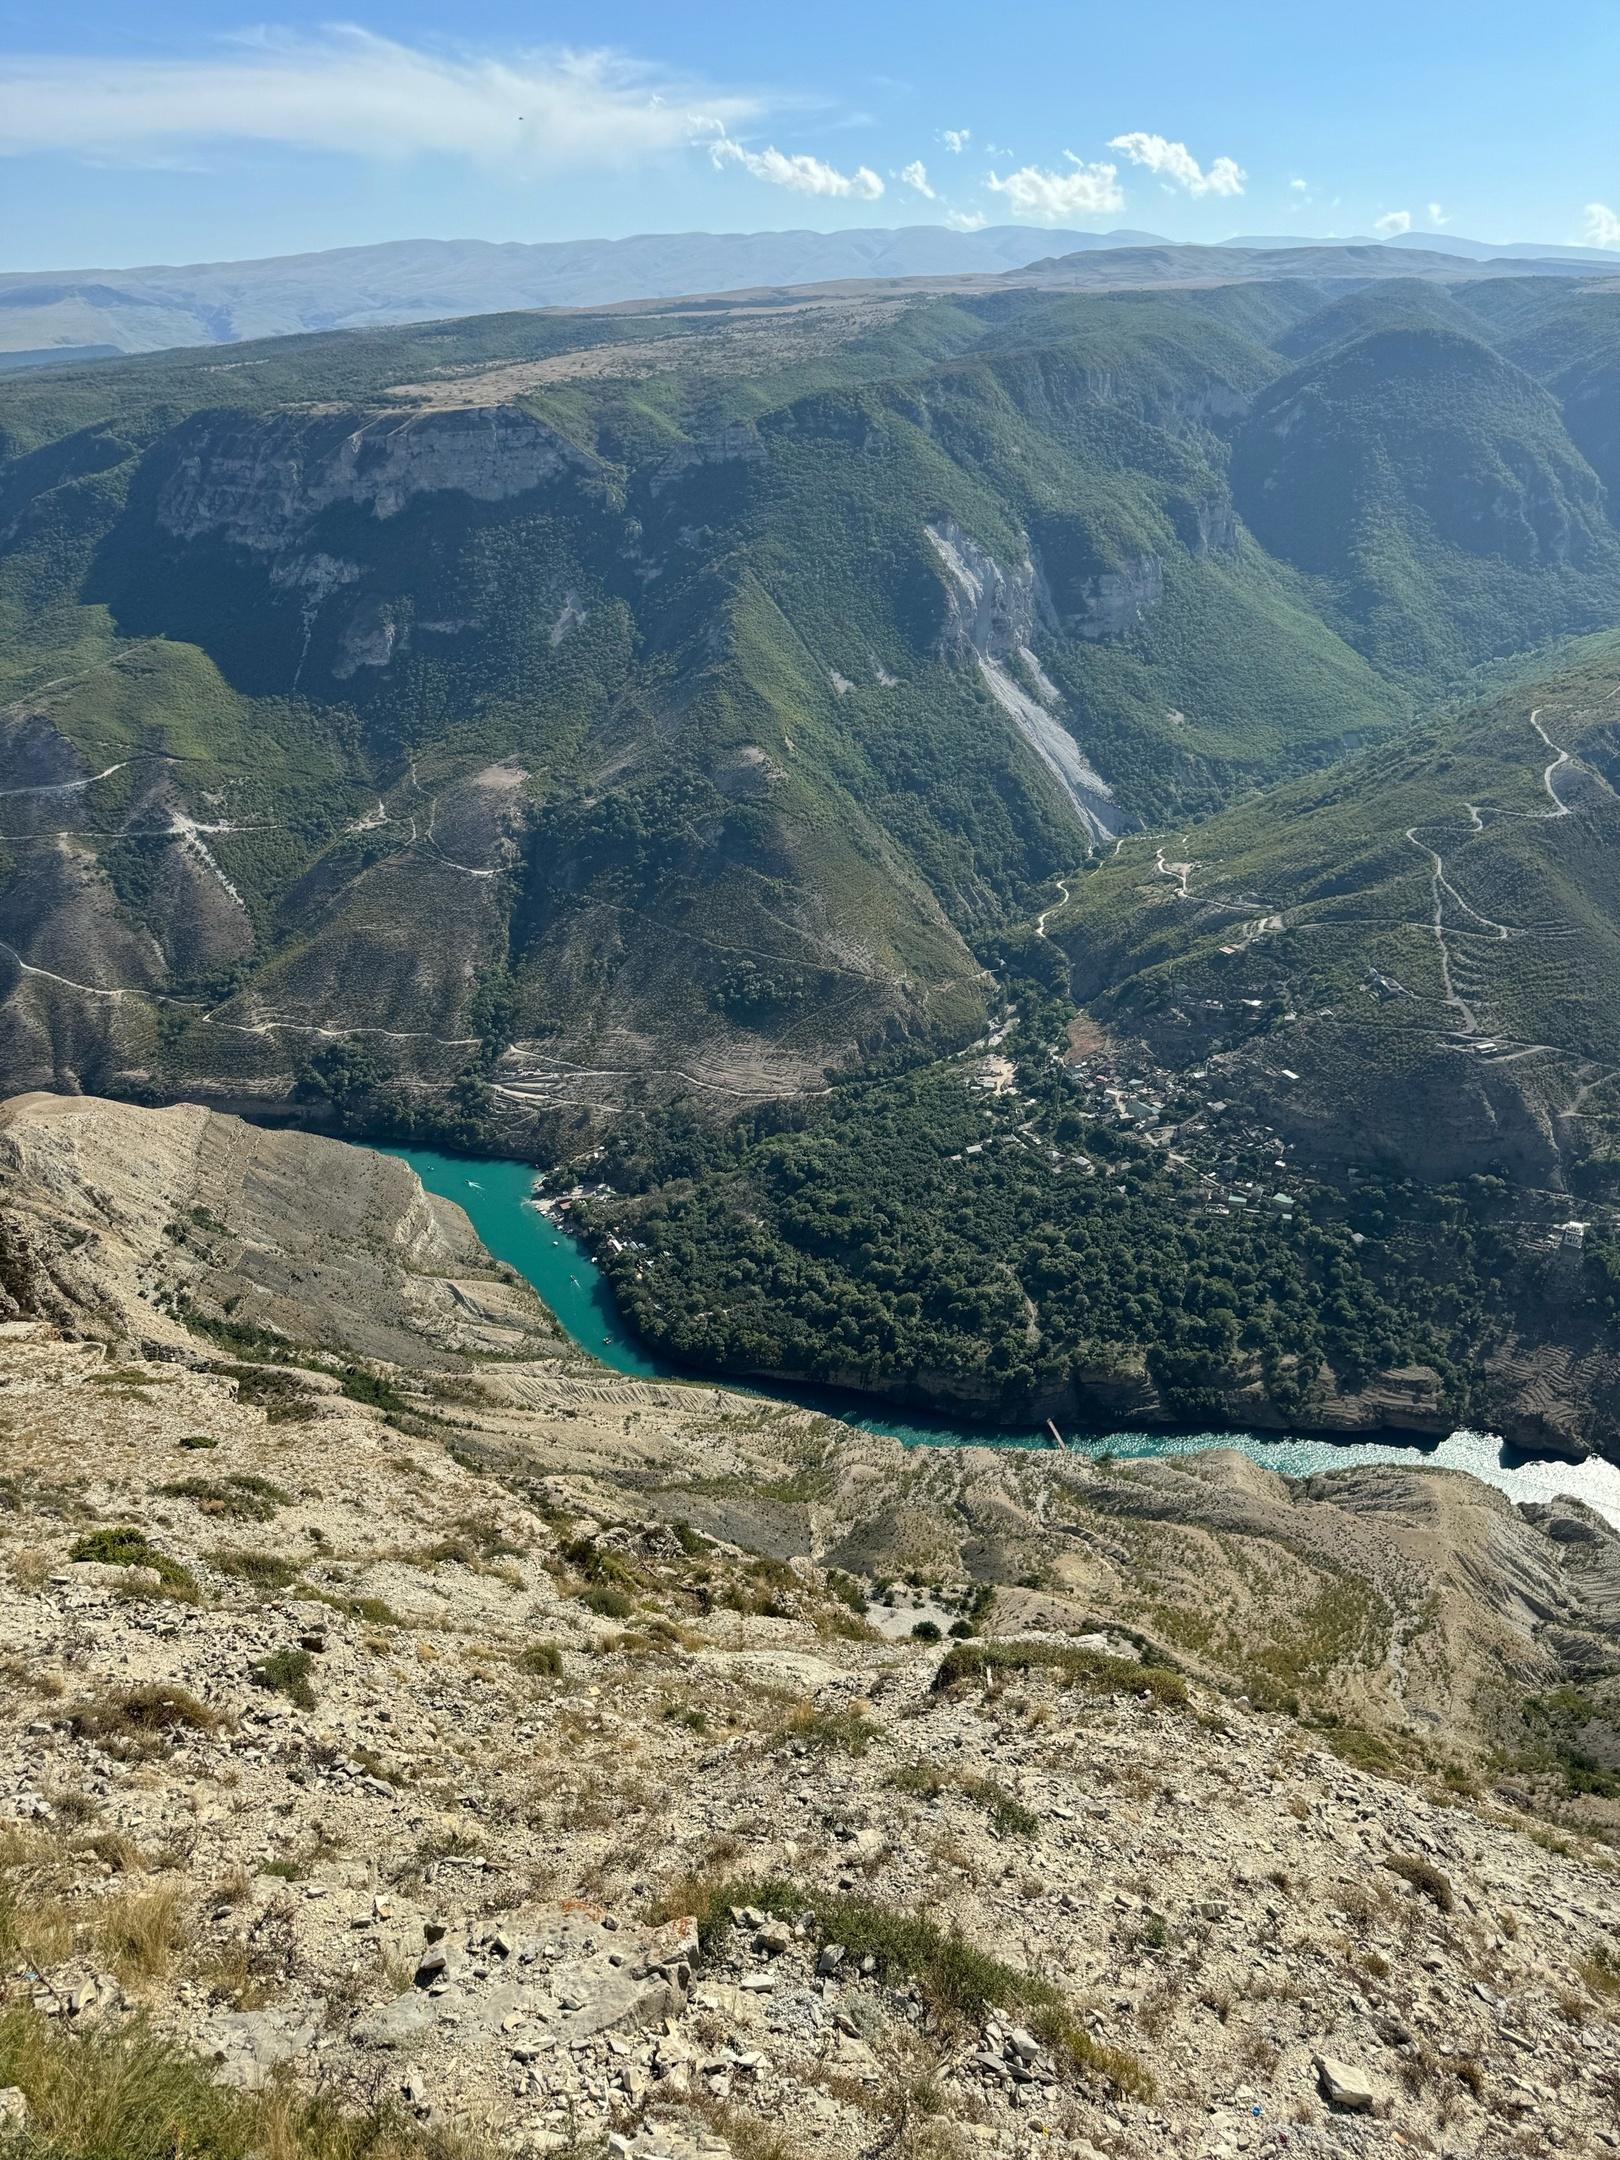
675	727
55	315
1037	843
1445	243
51	315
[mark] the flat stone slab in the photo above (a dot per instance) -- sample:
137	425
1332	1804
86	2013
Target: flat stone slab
1346	2085
555	1976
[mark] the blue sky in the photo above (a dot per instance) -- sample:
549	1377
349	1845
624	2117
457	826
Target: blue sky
181	130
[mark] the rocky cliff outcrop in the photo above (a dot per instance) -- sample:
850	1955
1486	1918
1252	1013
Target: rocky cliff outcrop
261	483
991	616
122	1223
1114	601
738	444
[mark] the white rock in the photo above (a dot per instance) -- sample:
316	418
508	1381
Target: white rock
1346	2085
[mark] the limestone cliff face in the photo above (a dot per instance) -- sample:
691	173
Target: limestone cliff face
738	444
262	483
1053	386
991	616
375	631
1208	524
1114	601
990	612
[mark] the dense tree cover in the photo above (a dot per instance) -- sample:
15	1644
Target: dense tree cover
913	1232
1432	486
355	1089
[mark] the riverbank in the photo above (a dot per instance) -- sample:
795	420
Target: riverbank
496	1196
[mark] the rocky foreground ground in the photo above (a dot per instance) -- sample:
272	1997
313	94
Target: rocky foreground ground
540	1764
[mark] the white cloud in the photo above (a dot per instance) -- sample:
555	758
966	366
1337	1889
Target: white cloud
1176	165
1299	186
956	140
1438	214
1086	191
1392	224
807	175
915	175
1602	226
345	89
966	220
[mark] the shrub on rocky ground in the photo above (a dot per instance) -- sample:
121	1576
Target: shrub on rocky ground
131	1548
260	1570
843	1732
1006	1811
137	1722
244	1496
542	1659
1114	2067
606	1602
1423	1875
1073	1663
375	1611
284	1397
286	1672
955	1978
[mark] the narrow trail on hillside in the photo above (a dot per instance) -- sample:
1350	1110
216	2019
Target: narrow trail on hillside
1263	918
1047	913
817	957
66	787
1562	757
1443	888
77	787
87	989
235	1027
115	659
467	869
1438	889
539	1083
1180	871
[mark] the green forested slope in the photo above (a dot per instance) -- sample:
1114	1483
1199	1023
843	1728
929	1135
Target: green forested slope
1431	488
602	707
1413	957
1346	1064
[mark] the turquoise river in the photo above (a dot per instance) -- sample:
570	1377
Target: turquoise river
496	1197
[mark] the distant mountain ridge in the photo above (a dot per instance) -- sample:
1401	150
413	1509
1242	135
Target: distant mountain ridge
62	313
72	315
1442	242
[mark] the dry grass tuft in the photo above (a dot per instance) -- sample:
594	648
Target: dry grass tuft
1424	1876
139	1932
138	1723
133	2096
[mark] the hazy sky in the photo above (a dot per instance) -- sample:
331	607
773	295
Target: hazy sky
179	130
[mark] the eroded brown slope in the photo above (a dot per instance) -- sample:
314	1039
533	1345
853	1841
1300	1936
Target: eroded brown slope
536	1654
